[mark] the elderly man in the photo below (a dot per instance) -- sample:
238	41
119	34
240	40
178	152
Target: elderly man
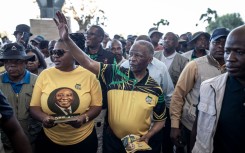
159	72
185	97
221	117
132	94
17	84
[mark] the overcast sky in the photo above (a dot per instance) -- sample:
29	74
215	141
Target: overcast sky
131	16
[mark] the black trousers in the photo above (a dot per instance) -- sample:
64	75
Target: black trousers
167	145
88	145
186	135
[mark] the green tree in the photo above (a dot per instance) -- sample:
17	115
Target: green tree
214	21
162	21
208	16
229	21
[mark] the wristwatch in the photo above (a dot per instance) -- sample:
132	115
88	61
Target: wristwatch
86	118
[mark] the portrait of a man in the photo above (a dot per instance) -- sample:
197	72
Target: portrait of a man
63	101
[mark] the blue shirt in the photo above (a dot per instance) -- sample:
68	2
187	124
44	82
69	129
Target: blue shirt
16	86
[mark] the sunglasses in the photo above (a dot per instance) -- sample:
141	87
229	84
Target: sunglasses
57	52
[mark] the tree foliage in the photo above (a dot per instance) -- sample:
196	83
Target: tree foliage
208	16
162	21
229	21
86	13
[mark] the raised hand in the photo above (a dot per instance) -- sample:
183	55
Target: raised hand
62	25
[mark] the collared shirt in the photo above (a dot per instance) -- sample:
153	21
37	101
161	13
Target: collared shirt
66	111
17	85
130	102
193	55
158	71
168	60
214	62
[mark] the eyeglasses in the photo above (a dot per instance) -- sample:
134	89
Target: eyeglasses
12	61
57	52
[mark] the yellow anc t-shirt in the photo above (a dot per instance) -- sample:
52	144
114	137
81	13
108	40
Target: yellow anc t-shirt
130	103
63	94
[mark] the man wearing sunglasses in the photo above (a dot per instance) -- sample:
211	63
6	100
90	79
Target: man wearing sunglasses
132	94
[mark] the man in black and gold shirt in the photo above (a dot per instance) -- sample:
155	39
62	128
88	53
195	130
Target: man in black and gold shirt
133	96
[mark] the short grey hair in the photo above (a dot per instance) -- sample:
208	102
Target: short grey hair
147	44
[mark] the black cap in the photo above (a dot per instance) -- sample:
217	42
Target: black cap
22	28
38	39
14	51
219	32
198	34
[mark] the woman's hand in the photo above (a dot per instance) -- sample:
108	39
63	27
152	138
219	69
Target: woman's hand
78	122
62	25
48	122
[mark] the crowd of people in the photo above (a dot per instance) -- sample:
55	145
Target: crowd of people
84	92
